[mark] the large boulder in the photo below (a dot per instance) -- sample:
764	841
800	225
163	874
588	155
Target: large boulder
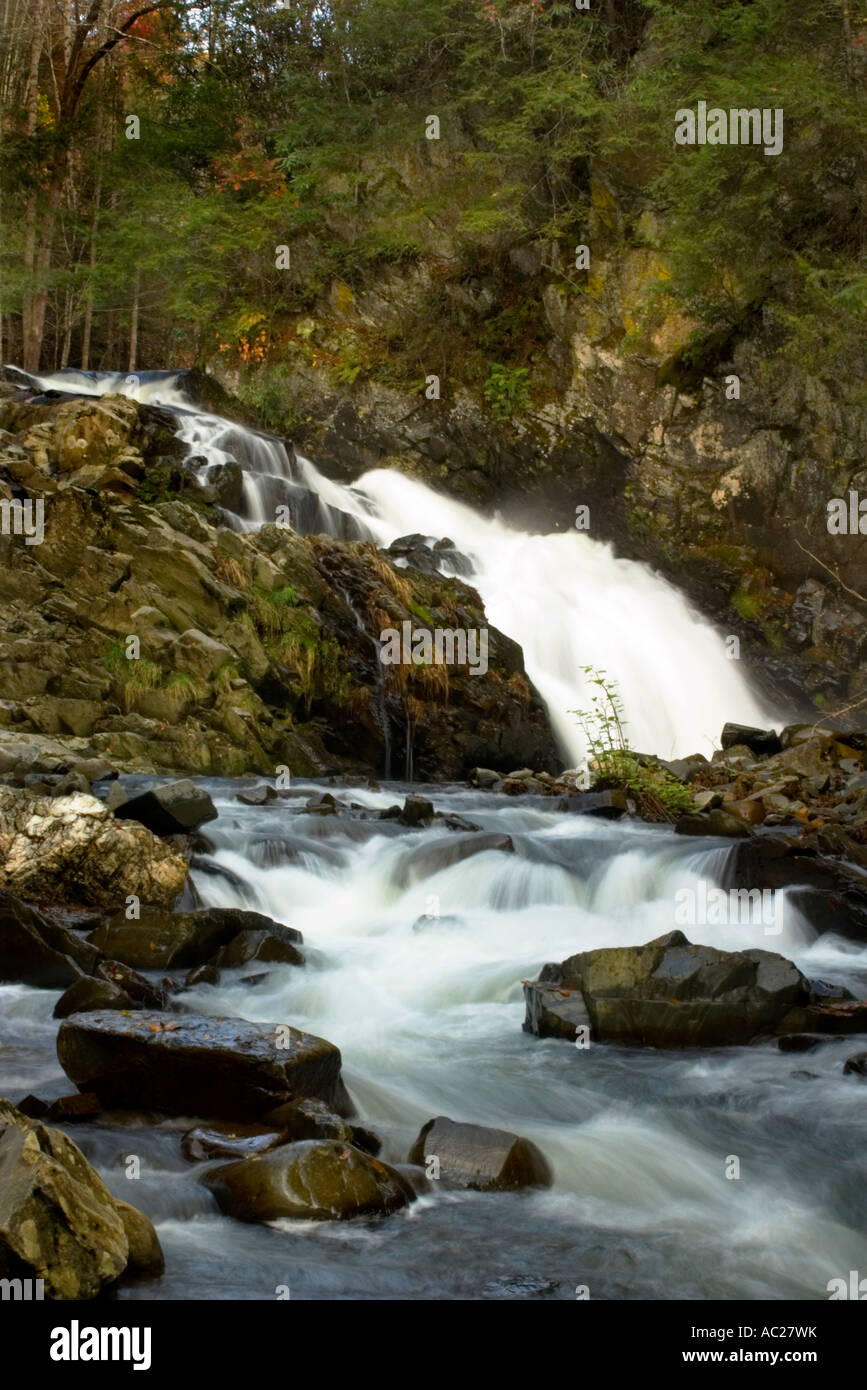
667	993
70	849
189	1065
487	1160
166	940
173	809
58	1220
318	1180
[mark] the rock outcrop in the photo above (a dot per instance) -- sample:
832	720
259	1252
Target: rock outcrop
667	993
159	638
71	850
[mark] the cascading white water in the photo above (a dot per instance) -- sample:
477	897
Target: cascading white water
566	599
570	603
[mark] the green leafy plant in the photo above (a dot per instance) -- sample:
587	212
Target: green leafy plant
611	760
507	391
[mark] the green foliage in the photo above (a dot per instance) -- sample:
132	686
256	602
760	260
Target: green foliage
156	485
267	390
304	125
745	604
507	391
612	762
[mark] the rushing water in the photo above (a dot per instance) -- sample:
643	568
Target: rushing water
415	967
428	1016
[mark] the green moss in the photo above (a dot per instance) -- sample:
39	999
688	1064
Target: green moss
746	605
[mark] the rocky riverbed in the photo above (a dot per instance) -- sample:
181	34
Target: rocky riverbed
318	1020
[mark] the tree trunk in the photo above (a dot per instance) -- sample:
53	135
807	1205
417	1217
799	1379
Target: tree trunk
30	345
133	324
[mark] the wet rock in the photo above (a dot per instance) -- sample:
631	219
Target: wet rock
748	811
684	769
431	859
143	993
836	1019
762	742
798	1042
669	993
522	786
146	1259
832	894
554	1011
856	1065
484	777
84	1105
202	975
189	1065
717	822
313	1180
454	822
229	1140
163	940
172	809
116	797
275	945
87	994
35	951
517	1286
311	1119
417	810
72	850
262	795
58	1220
610	805
474	1156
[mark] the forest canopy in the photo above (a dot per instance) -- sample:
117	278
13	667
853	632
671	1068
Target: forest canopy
156	155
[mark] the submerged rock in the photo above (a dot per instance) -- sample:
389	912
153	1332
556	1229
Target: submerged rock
71	849
274	945
190	1065
229	1140
856	1065
487	1160
58	1220
311	1119
667	993
314	1180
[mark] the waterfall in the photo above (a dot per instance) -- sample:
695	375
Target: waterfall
415	956
565	598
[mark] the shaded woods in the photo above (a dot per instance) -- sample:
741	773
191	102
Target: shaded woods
156	156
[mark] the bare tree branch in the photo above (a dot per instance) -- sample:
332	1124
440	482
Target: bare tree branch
833	572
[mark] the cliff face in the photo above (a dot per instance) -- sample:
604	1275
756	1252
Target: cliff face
140	630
